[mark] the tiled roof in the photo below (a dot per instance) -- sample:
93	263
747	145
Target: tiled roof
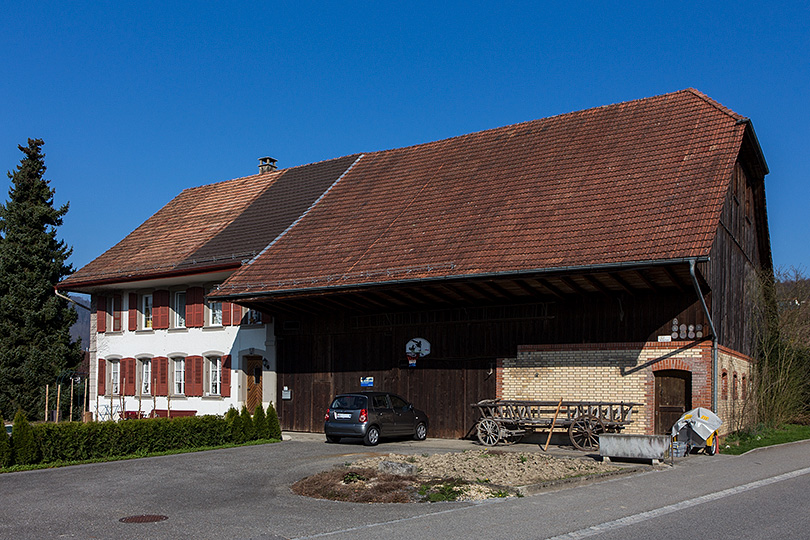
638	181
213	226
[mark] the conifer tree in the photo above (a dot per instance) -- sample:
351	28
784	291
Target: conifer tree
273	423
247	424
260	423
35	343
23	446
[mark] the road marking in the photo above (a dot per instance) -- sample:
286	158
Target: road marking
664	510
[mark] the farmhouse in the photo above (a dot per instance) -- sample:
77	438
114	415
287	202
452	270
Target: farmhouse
607	254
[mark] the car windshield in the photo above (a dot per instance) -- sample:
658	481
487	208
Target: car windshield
349	402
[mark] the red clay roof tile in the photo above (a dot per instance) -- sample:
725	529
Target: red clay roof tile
637	181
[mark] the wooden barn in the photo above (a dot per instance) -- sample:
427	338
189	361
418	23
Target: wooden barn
605	254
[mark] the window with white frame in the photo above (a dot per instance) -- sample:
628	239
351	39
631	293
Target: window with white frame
215	313
215	374
180	309
179	376
146	311
146	376
115	377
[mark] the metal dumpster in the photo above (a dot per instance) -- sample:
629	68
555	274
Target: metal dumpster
698	430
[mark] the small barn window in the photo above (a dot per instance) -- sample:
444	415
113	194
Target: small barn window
724	385
744	387
734	386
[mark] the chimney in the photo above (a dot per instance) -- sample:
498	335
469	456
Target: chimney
266	165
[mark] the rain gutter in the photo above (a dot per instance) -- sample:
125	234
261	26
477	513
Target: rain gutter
692	263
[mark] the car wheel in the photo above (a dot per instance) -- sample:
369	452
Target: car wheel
332	439
372	436
421	432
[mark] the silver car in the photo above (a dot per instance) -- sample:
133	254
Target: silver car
372	415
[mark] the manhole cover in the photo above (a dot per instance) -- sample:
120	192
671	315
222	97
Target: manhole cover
143	519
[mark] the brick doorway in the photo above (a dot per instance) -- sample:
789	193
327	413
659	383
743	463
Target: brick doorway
673	397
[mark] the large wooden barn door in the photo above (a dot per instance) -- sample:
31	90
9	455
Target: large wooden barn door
673	397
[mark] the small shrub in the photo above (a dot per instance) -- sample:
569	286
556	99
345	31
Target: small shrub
272	422
260	423
449	490
24	448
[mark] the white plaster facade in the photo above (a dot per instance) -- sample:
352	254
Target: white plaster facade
239	341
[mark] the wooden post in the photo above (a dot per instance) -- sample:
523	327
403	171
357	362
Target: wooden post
46	402
121	402
551	428
86	400
71	400
58	401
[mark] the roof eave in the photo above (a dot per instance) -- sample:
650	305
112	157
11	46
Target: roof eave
306	291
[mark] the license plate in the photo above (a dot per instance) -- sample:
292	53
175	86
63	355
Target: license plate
343	415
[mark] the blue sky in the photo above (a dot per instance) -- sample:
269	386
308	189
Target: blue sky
139	100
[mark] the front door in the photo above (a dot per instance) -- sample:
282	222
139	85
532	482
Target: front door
254	370
673	397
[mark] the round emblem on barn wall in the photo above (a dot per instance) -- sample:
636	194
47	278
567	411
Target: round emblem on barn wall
417	348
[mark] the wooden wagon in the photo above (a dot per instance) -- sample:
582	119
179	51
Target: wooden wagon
507	421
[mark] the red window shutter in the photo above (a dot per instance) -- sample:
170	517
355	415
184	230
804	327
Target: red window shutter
128	372
194	375
102	376
160	375
225	389
116	309
236	314
101	314
133	312
160	310
226	313
194	307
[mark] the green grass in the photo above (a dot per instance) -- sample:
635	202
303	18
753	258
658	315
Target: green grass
741	442
55	464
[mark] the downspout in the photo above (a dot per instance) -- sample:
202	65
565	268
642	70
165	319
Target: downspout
71	300
692	263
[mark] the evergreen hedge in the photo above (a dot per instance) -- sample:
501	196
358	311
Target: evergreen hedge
76	441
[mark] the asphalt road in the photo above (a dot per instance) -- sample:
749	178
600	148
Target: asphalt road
244	493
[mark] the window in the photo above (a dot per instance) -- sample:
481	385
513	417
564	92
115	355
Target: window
215	313
254	317
180	309
115	377
734	386
724	385
146	311
215	374
146	376
179	375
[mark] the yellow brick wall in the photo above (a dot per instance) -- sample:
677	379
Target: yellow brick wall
606	372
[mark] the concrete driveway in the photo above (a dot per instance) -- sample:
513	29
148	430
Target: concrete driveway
232	493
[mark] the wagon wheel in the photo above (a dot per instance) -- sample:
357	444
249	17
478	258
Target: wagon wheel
489	432
584	432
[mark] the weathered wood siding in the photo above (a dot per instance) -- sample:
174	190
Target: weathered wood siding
736	259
